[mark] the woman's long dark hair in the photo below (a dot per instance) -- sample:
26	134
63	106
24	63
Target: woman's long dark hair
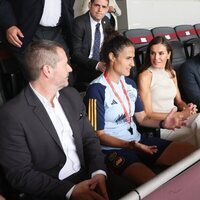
158	40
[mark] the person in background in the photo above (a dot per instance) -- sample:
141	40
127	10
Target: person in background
28	21
190	80
159	92
31	20
113	12
88	35
78	5
112	102
48	148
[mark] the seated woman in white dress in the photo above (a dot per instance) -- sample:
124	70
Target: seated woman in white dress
112	101
159	92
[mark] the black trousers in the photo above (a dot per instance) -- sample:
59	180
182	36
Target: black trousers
51	33
47	33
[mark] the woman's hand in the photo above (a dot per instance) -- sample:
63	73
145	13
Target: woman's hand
187	111
147	149
193	108
174	120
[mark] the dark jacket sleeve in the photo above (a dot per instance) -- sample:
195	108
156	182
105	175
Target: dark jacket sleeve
81	42
190	80
7	16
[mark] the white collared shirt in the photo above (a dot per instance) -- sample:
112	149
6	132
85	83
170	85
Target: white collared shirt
93	28
51	13
65	135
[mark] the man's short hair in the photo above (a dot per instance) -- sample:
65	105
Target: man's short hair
38	54
92	1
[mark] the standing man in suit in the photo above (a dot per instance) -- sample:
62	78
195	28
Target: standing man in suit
48	148
25	21
83	37
113	12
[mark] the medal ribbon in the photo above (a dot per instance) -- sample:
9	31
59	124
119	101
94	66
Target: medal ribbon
128	118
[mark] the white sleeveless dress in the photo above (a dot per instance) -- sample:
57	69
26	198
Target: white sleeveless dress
163	92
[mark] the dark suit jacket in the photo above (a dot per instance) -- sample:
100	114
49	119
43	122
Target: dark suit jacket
81	43
3	6
190	80
30	150
27	14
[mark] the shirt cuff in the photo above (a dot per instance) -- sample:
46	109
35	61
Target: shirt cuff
99	172
68	195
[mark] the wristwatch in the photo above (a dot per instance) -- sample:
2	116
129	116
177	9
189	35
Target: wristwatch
161	124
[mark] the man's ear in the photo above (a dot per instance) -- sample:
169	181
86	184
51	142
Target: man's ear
46	69
89	5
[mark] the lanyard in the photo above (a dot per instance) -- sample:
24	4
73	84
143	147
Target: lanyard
128	118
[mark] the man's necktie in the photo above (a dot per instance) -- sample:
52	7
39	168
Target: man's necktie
97	41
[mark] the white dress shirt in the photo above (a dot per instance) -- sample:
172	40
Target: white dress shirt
51	13
64	132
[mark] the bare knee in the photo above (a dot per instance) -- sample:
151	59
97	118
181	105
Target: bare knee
175	152
138	173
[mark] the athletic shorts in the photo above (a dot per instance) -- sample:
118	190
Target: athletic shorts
119	159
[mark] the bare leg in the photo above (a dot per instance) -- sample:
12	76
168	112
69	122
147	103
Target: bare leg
175	152
138	173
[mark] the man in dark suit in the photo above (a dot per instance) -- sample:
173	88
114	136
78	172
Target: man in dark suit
83	36
190	80
48	148
25	21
